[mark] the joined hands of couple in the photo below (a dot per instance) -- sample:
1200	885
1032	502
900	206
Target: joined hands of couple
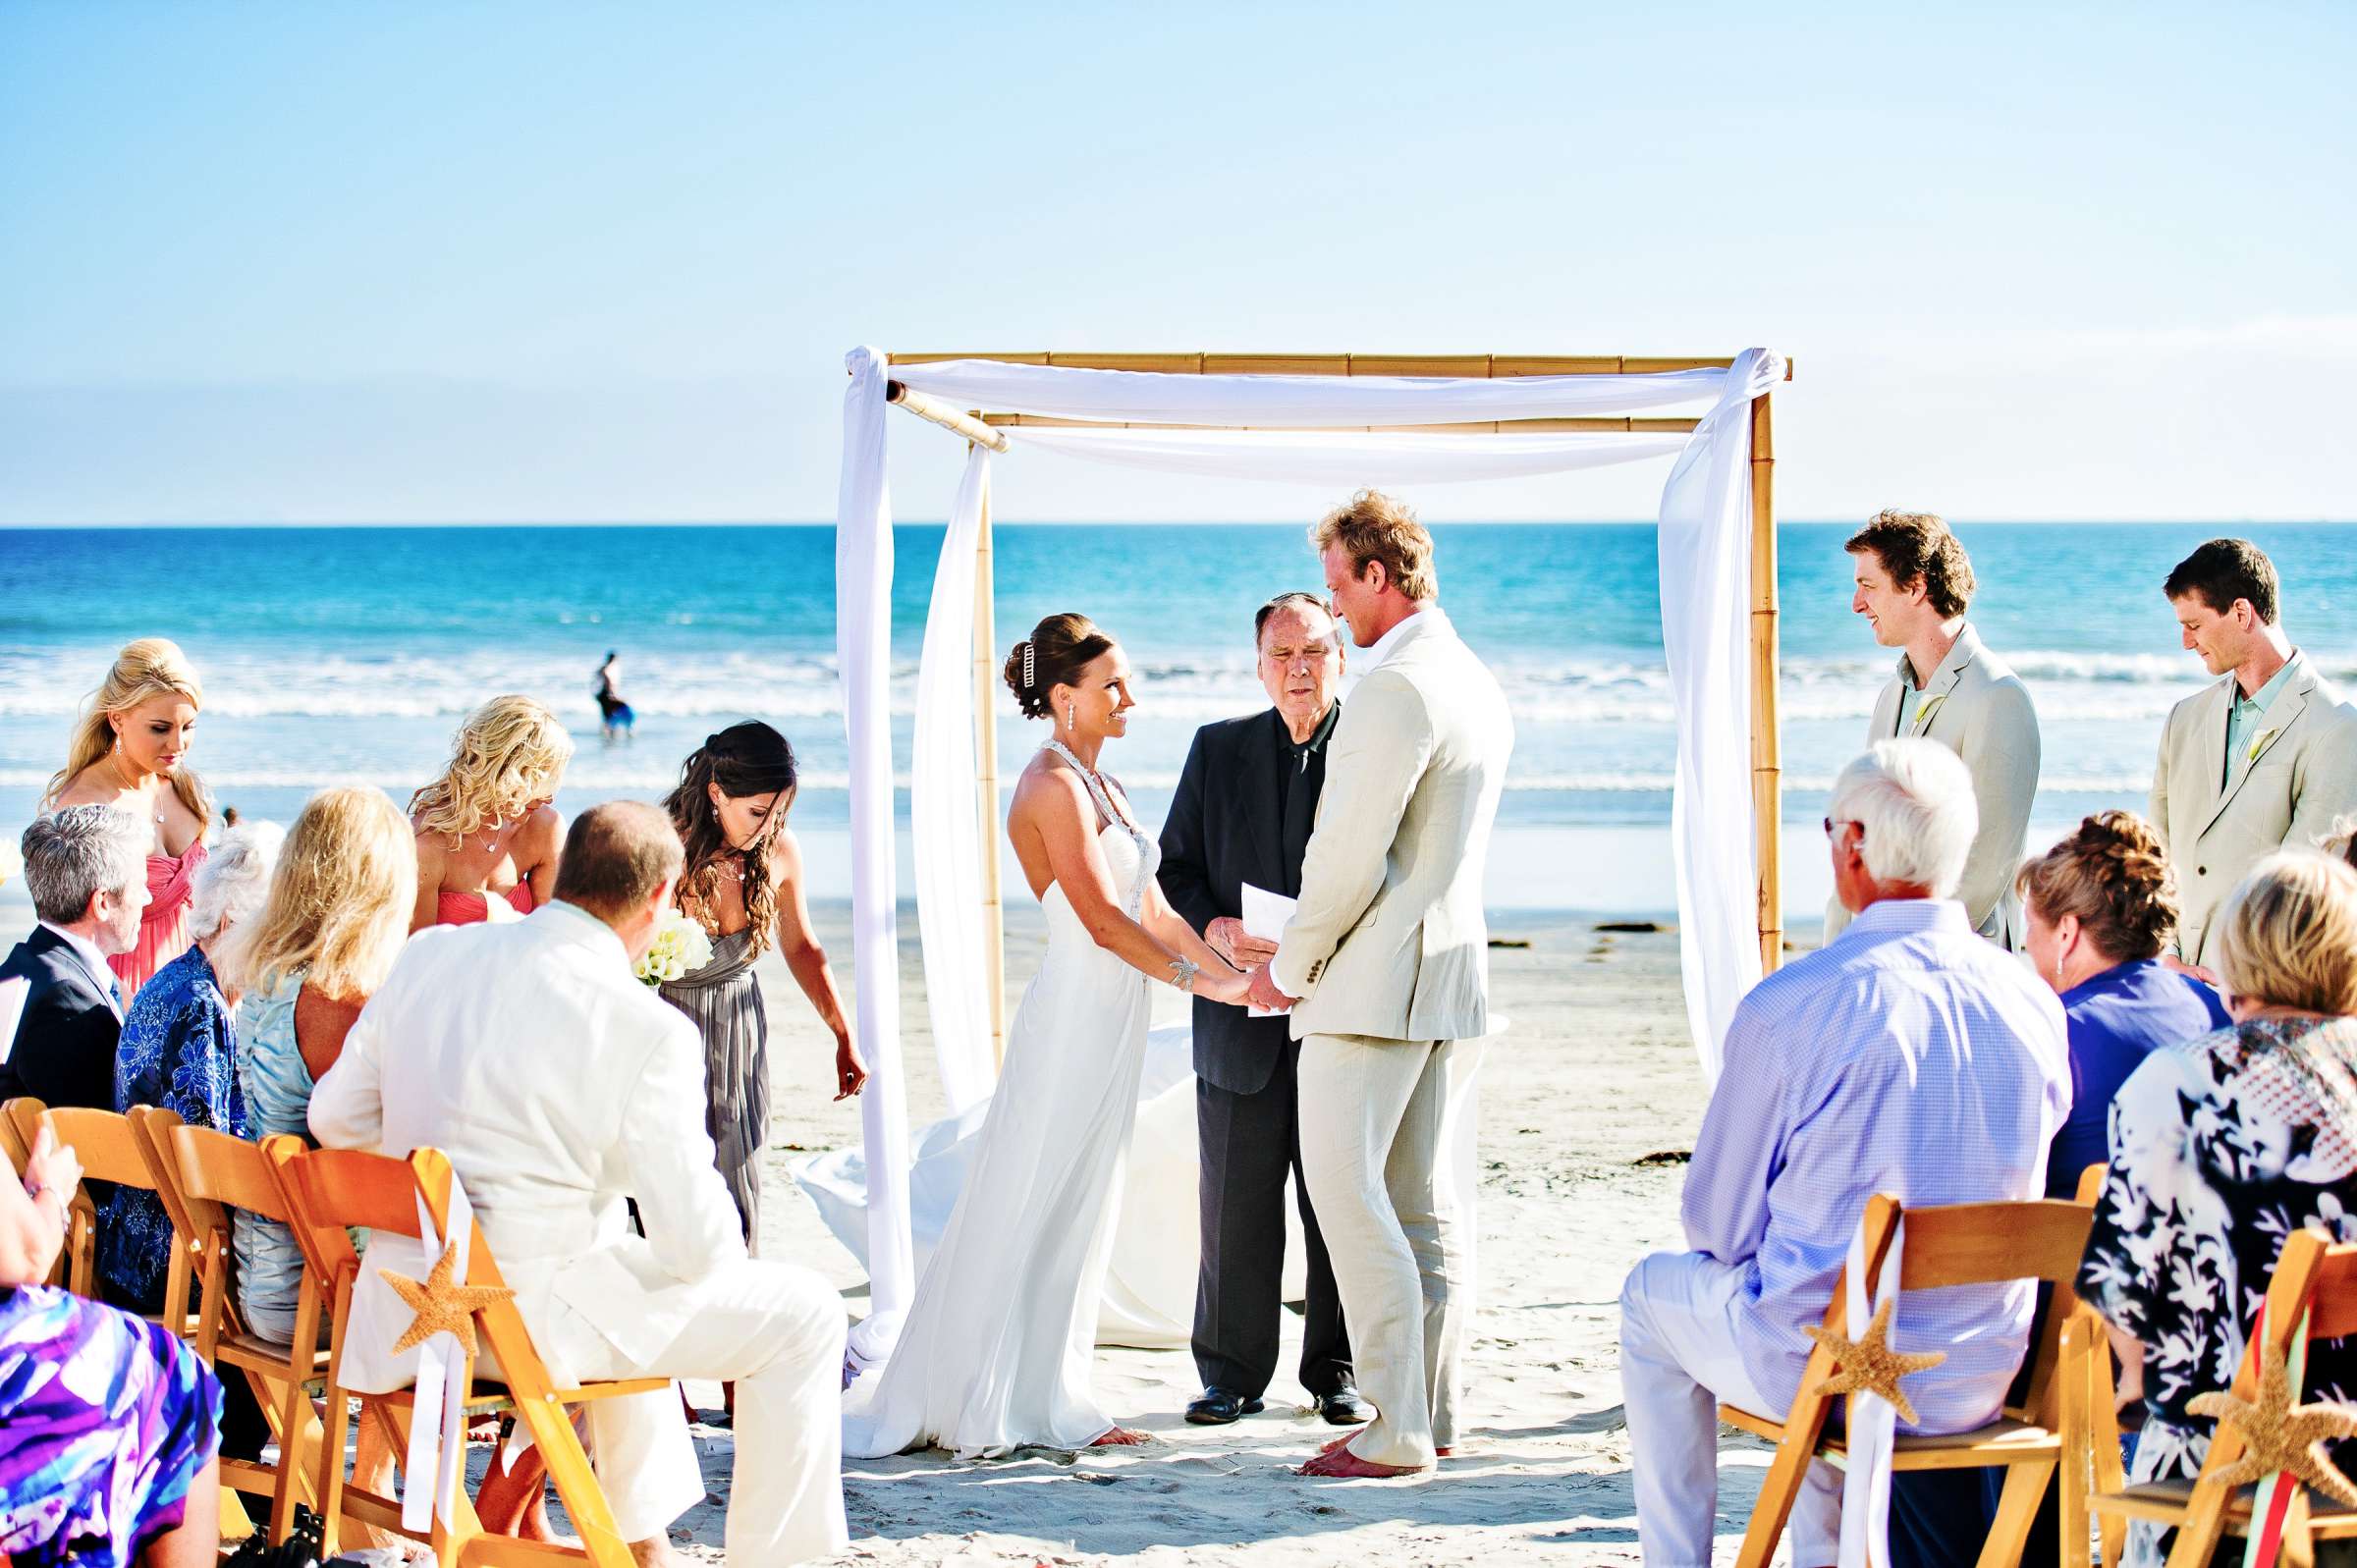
1227	938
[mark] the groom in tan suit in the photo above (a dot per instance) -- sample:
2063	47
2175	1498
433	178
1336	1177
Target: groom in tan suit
1388	957
2260	761
1914	583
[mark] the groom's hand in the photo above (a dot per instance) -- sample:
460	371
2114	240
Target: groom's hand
1227	938
1264	992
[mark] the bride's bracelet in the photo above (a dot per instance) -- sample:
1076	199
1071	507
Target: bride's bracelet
1183	972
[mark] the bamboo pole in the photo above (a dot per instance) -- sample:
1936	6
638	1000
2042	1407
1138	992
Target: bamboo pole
934	411
986	784
1341	364
1767	749
1500	427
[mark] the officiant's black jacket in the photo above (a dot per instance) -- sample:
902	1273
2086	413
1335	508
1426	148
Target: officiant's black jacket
64	1053
1246	801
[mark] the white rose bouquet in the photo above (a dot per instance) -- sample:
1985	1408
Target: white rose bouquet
680	945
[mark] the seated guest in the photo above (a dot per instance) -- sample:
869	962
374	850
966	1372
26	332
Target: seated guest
110	1423
2103	907
180	1050
560	1086
2224	1146
486	833
86	868
336	917
1906	1056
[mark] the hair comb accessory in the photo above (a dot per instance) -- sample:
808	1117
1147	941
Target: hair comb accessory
1027	673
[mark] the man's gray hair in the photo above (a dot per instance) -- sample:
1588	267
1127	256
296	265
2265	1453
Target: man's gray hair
1912	801
233	882
73	855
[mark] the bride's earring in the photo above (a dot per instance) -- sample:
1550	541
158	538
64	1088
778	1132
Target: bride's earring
1068	720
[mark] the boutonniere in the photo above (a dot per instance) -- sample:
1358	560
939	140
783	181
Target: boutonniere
1922	714
2259	743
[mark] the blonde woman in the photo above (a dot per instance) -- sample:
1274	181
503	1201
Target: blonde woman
336	918
130	751
487	835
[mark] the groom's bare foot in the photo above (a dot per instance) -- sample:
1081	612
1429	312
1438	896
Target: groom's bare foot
1120	1437
655	1552
1339	1443
1342	1464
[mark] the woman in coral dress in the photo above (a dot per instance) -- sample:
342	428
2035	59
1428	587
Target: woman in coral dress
130	751
487	835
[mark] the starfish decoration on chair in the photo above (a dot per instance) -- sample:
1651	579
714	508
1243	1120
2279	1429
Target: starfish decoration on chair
442	1307
1868	1366
2280	1436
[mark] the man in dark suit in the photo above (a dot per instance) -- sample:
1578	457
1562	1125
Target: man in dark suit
86	868
1242	814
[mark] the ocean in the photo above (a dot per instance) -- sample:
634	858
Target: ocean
349	654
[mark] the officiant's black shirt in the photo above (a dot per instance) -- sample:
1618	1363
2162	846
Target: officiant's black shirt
1298	763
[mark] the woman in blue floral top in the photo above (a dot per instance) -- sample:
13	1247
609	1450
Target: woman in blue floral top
2220	1148
179	1051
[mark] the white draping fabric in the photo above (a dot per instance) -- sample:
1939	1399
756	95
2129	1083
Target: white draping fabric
429	1476
1705	546
946	829
864	653
1299	402
1352	457
1705	531
1873	1420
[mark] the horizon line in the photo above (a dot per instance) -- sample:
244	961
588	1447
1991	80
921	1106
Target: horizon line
388	524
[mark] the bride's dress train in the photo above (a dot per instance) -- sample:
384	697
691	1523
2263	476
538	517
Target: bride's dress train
996	1349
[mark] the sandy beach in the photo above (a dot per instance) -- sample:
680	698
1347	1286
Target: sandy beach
1589	1103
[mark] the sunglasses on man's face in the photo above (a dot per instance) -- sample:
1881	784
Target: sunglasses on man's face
1830	823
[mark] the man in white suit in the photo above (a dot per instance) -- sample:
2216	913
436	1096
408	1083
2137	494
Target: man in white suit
1914	583
559	1086
2260	761
1388	959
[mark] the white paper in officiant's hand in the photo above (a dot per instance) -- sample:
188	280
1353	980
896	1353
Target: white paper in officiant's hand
11	1007
1265	915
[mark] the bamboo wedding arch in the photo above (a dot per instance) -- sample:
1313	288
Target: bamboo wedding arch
986	429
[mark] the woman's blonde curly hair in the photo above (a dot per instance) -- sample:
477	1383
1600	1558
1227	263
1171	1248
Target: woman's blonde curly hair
509	753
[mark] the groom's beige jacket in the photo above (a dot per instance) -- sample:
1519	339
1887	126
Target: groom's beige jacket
1388	940
2218	816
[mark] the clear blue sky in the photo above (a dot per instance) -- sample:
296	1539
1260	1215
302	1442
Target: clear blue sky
520	261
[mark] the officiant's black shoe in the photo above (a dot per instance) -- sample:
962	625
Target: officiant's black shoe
1220	1406
1345	1407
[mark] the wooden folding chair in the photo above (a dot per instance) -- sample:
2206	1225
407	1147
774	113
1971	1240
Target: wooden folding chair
12	1141
2314	1277
329	1190
201	1175
1961	1244
109	1150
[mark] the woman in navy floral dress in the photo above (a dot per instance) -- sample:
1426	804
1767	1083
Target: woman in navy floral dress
2220	1148
179	1051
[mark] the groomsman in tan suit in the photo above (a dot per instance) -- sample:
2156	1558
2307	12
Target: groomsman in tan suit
2263	759
1388	954
1914	582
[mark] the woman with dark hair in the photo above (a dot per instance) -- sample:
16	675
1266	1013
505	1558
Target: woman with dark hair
744	885
996	1351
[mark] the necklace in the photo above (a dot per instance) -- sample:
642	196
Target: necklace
491	839
132	784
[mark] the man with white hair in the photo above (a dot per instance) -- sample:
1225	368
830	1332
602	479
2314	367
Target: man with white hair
1906	1056
86	868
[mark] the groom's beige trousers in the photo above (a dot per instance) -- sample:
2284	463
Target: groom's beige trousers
1375	1130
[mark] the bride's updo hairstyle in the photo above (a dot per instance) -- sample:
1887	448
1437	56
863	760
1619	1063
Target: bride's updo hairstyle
1054	655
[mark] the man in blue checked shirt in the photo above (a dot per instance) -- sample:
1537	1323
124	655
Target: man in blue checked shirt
1906	1056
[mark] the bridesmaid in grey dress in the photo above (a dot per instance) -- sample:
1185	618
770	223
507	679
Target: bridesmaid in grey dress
744	883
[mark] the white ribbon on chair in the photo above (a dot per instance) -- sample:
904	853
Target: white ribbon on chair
1873	1420
438	1418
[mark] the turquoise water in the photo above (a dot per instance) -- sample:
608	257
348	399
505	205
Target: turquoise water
348	654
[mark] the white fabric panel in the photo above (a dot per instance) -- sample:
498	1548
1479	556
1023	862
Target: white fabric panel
1296	401
1350	458
864	653
945	827
1706	586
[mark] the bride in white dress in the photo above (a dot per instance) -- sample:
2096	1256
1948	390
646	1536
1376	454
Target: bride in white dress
997	1348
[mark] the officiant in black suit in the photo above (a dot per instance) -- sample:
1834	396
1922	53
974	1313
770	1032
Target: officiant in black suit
1242	813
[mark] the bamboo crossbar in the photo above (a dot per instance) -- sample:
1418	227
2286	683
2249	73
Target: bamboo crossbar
1485	365
935	411
1498	427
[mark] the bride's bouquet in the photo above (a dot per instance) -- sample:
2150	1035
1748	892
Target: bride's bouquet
680	945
